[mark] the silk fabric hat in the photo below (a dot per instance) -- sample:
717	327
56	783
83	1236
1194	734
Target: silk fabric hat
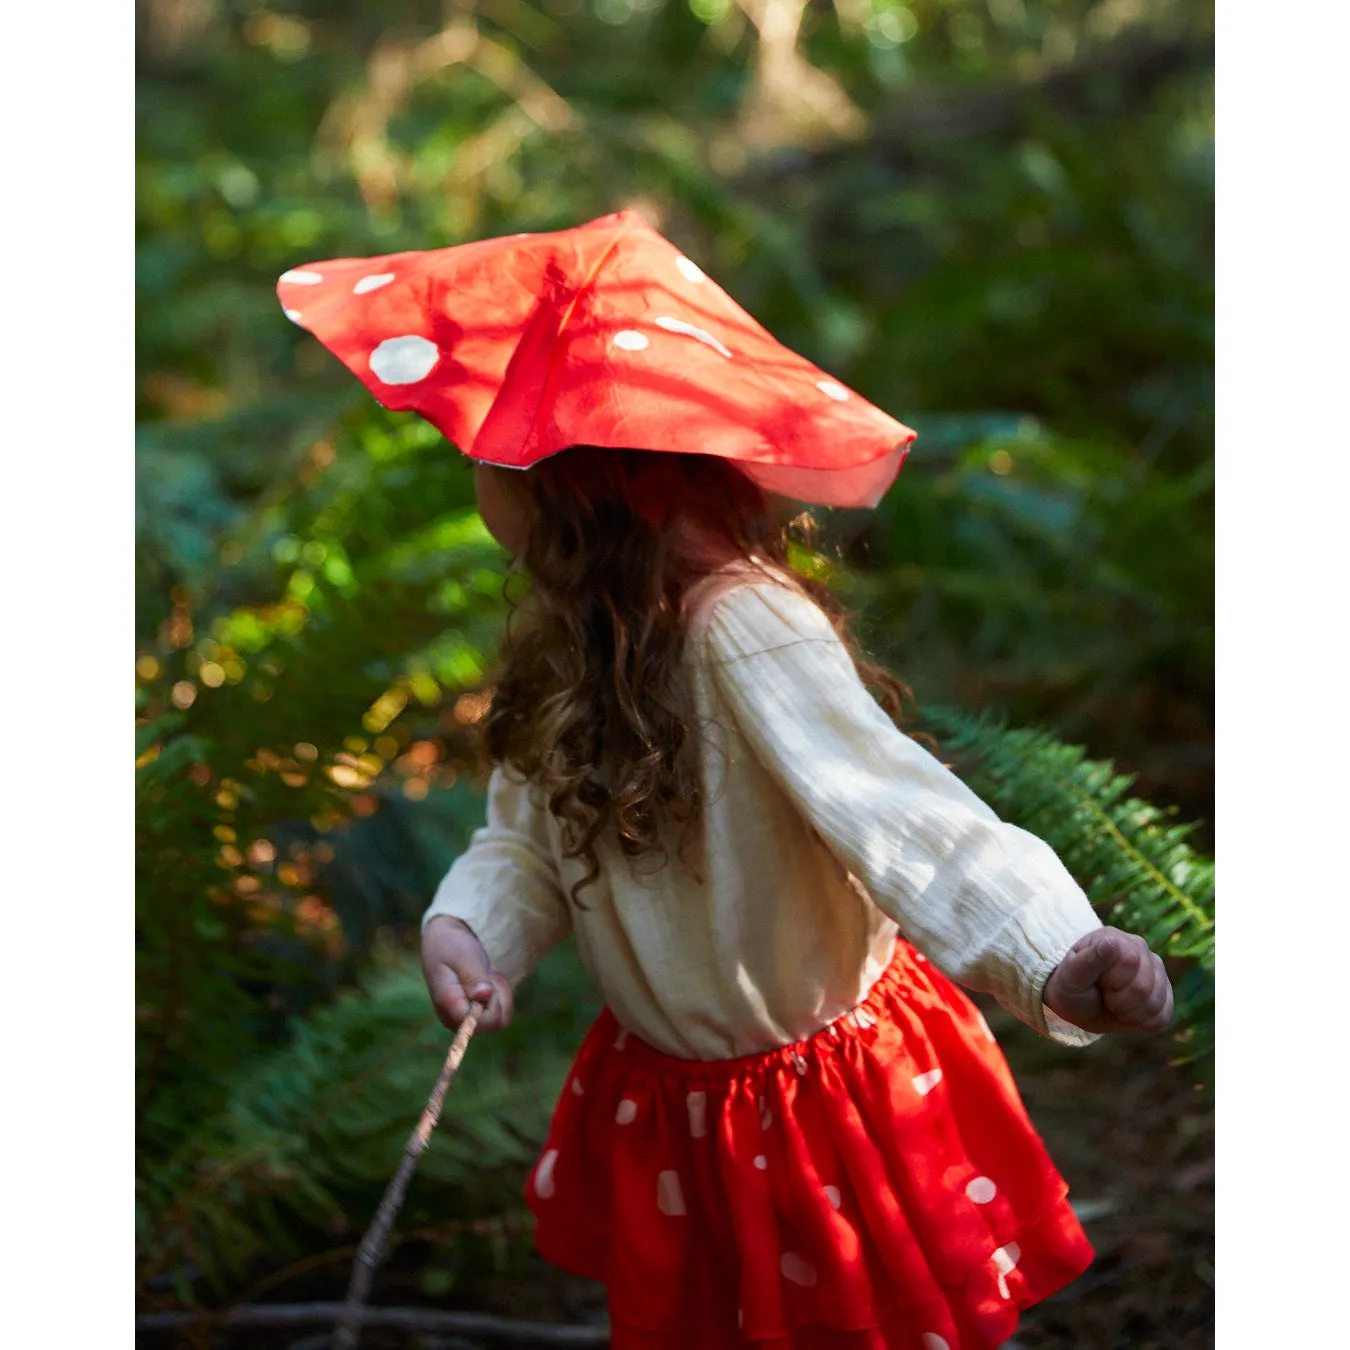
518	347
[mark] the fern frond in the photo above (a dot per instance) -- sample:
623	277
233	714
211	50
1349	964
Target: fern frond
313	1132
1134	861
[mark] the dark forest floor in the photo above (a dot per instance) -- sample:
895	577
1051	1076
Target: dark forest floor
1135	1141
1128	1130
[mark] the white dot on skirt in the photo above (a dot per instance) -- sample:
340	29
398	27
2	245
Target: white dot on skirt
984	1026
832	390
797	1269
300	277
621	1039
293	315
576	1086
761	1161
627	1112
1006	1259
698	1114
932	1341
981	1190
924	1083
543	1176
630	340
833	1196
669	1196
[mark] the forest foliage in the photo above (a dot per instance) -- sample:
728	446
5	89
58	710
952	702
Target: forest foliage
991	218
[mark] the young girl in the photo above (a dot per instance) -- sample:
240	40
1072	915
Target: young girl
788	1128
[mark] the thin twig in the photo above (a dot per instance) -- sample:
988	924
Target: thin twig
371	1251
503	1330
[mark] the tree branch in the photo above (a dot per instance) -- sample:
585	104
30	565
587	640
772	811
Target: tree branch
501	1330
371	1251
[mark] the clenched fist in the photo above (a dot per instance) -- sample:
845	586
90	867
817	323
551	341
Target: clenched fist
457	970
1110	981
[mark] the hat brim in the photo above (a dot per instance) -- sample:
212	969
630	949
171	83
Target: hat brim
605	334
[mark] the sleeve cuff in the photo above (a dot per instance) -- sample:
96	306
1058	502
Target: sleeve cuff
1047	1021
435	911
1065	1033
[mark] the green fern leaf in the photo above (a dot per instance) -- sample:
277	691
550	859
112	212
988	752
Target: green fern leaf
1135	864
313	1132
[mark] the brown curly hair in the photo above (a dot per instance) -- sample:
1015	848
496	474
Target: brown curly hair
589	704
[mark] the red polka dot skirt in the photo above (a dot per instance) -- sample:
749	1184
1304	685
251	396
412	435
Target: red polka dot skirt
876	1187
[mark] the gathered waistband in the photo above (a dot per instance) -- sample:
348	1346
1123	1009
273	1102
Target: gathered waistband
907	968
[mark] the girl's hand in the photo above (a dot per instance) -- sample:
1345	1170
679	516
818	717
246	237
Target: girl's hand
1110	981
457	970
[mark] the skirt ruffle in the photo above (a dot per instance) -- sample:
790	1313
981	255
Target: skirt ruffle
876	1187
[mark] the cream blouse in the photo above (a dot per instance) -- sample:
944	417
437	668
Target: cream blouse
825	830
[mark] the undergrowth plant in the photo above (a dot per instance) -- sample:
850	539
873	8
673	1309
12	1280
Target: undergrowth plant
302	768
308	1135
1135	860
302	1149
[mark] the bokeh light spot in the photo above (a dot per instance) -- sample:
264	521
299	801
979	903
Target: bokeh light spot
470	709
261	852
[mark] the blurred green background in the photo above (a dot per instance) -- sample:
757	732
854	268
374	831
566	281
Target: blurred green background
991	217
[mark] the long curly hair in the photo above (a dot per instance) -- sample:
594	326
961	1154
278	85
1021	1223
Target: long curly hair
589	704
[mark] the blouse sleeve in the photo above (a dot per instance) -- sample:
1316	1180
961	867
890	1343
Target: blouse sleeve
505	885
991	905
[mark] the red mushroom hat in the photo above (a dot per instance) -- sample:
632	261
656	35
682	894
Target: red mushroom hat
518	347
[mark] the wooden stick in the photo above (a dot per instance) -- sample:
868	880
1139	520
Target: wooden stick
485	1326
371	1251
